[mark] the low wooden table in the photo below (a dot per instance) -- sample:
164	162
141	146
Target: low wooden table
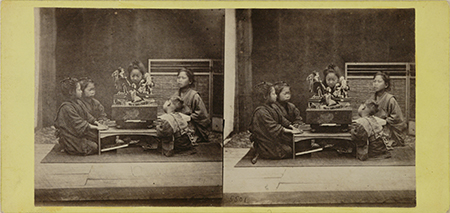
308	135
113	131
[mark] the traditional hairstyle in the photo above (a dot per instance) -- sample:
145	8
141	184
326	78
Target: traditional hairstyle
68	86
385	78
84	82
189	74
372	105
177	102
330	69
261	91
279	86
136	65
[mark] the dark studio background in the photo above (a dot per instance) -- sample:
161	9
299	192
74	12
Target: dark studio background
289	44
94	42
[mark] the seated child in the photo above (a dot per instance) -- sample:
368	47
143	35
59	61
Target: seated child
140	80
76	128
173	128
193	105
367	133
389	110
271	137
330	77
93	106
330	80
288	109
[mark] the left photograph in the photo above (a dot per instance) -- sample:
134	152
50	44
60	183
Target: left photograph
128	107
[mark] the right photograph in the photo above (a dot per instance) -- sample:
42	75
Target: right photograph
319	107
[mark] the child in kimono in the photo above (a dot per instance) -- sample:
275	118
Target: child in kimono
330	77
288	109
330	81
140	80
93	106
389	110
367	133
193	105
271	136
76	128
173	128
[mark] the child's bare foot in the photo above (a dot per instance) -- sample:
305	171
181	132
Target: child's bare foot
255	158
314	145
168	153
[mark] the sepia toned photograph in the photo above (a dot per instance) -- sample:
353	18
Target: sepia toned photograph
128	107
324	108
320	109
225	106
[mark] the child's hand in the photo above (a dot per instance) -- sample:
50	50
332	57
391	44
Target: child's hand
292	131
287	130
297	131
102	127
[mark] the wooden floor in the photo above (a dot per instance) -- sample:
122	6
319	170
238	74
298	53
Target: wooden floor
324	186
124	181
144	183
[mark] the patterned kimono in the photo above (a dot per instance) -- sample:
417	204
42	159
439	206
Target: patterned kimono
72	124
390	111
173	132
94	107
289	111
367	135
270	141
194	107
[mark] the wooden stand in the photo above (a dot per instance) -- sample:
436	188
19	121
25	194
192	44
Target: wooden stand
307	136
112	131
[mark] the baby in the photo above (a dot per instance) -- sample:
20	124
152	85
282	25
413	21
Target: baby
172	128
367	133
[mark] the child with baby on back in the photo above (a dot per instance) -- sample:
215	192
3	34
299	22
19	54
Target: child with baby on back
173	130
271	132
76	127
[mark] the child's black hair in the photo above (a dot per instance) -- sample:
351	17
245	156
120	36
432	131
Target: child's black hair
385	78
84	82
177	102
261	91
136	65
68	87
189	74
279	86
372	105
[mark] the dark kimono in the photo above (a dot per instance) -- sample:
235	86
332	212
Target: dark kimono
94	107
390	111
270	141
72	124
367	135
174	133
289	111
195	108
